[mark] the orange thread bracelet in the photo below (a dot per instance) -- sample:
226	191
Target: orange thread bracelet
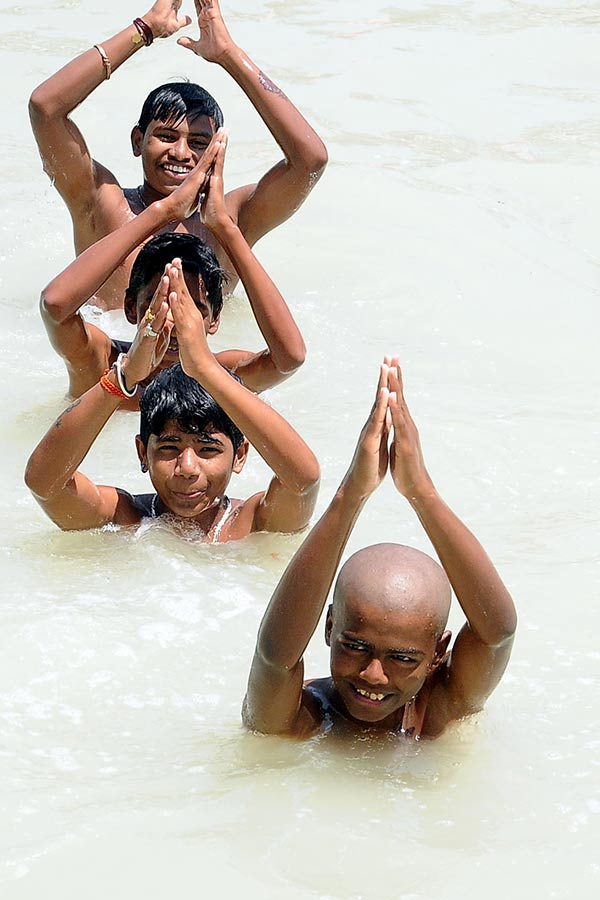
111	388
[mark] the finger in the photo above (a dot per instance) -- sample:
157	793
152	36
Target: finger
220	154
159	297
186	42
395	381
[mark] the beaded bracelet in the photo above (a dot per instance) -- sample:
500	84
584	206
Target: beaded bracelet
145	32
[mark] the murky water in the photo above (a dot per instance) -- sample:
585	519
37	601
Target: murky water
456	225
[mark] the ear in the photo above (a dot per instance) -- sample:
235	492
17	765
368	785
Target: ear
137	138
328	625
130	307
214	325
240	457
441	651
141	452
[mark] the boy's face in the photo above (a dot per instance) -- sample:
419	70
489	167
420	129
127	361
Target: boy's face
381	654
170	150
135	310
190	472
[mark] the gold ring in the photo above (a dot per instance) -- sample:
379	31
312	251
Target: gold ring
149	316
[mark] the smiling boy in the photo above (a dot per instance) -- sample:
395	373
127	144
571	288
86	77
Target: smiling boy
194	418
177	123
87	350
390	666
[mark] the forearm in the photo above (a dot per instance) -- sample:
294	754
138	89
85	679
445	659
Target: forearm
273	437
64	447
70	86
66	293
297	604
479	589
284	341
302	146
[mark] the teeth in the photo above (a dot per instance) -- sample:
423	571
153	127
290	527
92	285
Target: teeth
179	170
370	695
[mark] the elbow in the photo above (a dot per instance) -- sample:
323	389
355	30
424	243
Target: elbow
505	631
291	360
308	484
51	307
39	110
34	480
312	158
316	161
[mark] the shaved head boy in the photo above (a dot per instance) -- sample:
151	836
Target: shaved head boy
391	670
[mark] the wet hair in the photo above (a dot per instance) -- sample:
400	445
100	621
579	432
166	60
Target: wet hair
196	257
170	103
174	396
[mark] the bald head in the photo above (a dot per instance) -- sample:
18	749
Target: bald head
386	578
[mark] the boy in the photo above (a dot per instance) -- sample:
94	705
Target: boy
87	351
190	439
177	123
390	669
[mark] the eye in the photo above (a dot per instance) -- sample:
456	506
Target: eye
166	136
167	452
200	145
208	450
350	645
406	660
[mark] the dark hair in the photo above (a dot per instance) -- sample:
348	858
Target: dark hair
176	101
196	257
173	395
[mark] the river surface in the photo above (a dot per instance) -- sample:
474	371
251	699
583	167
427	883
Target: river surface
457	225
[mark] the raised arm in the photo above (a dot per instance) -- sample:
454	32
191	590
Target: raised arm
62	298
68	497
65	155
289	502
274	698
259	208
482	648
285	348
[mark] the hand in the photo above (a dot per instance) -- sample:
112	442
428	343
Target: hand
194	351
370	462
213	211
183	202
164	20
214	40
407	465
146	351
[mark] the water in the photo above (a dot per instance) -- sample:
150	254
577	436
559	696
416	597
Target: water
456	226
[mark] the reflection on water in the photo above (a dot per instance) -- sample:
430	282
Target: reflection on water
455	226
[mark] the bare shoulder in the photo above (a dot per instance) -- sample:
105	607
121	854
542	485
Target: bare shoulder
101	210
434	702
235	200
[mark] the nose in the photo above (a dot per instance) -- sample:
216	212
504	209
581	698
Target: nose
187	463
374	673
180	149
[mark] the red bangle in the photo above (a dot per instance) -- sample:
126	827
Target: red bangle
111	388
144	30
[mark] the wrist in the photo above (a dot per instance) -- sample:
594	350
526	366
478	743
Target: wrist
111	390
421	494
147	27
225	229
128	380
352	494
232	57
